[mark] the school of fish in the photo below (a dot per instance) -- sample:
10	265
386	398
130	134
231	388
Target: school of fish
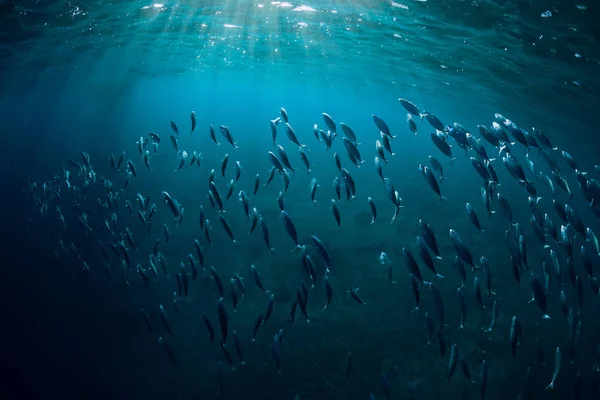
548	177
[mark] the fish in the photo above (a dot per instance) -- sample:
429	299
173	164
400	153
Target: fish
440	141
348	132
570	160
434	121
473	217
255	275
463	307
415	288
273	127
305	160
292	135
330	123
284	158
165	321
223	321
354	294
328	292
437	167
453	360
212	135
515	334
336	212
322	251
429	237
426	257
209	327
193	120
483	378
169	352
269	309
557	362
438	303
494	317
174	128
410	107
147	320
373	210
411	264
290	228
313	190
228	136
382	126
505	207
433	183
257	324
284	115
462	250
265	232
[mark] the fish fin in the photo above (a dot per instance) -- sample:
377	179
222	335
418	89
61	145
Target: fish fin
452	160
439	276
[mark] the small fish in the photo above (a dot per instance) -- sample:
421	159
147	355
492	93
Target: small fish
348	132
193	119
354	293
437	167
483	378
385	261
453	360
212	135
174	128
313	190
328	292
209	327
257	280
463	307
494	317
557	361
415	287
430	178
330	123
290	228
169	352
462	250
257	324
373	210
382	126
410	107
473	217
336	212
223	321
412	125
227	228
265	232
305	160
515	334
284	115
478	292
539	295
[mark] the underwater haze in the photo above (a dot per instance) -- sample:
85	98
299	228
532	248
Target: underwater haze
319	200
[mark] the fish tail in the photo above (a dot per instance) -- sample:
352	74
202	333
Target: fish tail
452	160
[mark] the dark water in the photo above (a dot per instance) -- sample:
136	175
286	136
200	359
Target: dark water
97	77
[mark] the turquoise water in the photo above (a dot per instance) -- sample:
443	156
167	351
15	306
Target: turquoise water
97	77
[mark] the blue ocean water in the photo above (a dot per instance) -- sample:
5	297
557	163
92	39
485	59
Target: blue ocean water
95	78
